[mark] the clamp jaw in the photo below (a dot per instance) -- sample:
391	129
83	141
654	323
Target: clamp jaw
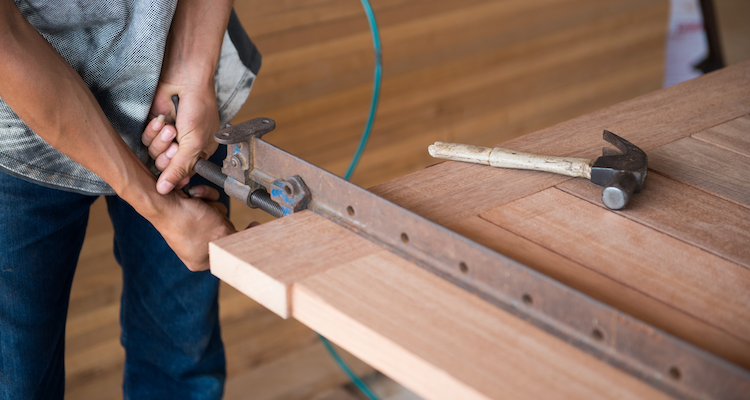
241	179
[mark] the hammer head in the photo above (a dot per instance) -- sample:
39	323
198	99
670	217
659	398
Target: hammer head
621	174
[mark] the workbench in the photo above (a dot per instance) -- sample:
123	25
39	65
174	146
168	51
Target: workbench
676	258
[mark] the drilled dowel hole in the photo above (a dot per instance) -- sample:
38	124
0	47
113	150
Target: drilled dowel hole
463	267
404	238
675	373
597	334
350	210
527	299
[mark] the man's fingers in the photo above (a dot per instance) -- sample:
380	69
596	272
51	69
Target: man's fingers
162	103
152	130
162	142
178	169
204	192
162	160
210	195
253	224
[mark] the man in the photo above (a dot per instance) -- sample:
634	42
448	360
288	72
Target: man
86	90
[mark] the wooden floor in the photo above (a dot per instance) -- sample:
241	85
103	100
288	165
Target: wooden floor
477	71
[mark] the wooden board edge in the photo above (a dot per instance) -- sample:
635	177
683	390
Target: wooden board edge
251	281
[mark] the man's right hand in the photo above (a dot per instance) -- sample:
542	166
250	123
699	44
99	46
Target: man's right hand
191	215
188	224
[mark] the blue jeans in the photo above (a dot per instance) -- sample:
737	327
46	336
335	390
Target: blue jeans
169	315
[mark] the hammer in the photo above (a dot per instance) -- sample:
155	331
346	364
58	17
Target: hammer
621	174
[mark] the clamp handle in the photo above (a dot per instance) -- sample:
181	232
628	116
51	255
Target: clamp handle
255	128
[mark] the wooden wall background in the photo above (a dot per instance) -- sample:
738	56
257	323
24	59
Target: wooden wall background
476	71
473	71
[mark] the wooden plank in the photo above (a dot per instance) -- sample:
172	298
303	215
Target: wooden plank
487	188
610	291
732	135
707	167
690	215
648	121
291	250
379	306
654	119
443	343
682	276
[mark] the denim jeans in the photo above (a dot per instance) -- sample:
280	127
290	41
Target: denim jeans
169	315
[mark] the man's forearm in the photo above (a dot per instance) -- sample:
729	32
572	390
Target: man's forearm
195	40
50	97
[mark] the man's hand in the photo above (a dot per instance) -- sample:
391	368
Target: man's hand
190	61
193	130
189	224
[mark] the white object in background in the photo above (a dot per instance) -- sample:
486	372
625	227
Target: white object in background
686	43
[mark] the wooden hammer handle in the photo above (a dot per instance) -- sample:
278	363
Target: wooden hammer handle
504	158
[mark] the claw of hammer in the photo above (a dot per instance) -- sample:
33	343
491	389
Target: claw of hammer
621	173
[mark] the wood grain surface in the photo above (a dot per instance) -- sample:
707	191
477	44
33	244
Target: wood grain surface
440	340
473	350
291	253
675	258
689	280
732	135
706	167
648	121
619	294
688	214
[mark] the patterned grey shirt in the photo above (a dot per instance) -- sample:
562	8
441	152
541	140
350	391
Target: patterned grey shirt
117	46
